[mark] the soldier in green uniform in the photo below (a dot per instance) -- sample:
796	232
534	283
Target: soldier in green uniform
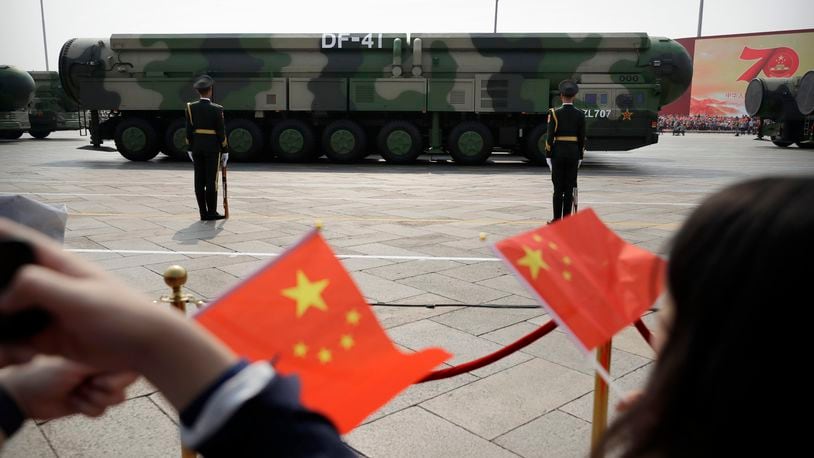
208	148
565	146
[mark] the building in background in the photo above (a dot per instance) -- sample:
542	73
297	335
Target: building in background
723	66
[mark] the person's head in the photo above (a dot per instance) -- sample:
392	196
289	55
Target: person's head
738	278
568	90
203	85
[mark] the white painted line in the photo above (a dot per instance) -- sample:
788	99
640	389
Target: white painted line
233	254
354	199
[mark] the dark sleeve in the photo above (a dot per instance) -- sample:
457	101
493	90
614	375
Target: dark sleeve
188	119
274	423
581	135
549	139
11	417
220	130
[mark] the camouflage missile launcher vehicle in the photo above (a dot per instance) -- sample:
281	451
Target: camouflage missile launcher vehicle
16	92
347	95
51	109
788	103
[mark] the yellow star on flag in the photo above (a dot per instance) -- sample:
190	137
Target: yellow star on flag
307	293
324	356
300	350
533	260
353	317
346	341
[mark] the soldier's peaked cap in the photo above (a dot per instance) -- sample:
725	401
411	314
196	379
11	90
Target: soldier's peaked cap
203	82
568	88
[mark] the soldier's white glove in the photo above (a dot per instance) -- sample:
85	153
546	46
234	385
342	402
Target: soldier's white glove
548	161
224	158
189	153
579	164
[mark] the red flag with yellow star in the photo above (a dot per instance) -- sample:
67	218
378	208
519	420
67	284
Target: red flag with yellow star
304	311
591	281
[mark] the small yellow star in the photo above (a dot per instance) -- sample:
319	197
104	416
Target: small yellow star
307	293
346	342
537	238
566	275
627	115
300	350
552	245
566	260
324	356
353	317
533	260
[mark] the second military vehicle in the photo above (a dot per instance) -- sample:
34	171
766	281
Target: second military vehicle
16	92
297	96
51	109
788	103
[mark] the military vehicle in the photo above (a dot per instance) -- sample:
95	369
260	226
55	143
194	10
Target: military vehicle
16	92
51	109
788	103
346	95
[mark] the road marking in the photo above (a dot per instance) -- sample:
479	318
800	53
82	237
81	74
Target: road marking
354	199
233	254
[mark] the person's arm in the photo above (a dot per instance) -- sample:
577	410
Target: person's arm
581	135
551	130
190	130
52	387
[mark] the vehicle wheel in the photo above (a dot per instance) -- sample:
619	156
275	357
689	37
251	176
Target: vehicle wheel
399	142
293	141
39	133
344	141
781	143
136	139
11	134
535	144
175	140
470	143
245	140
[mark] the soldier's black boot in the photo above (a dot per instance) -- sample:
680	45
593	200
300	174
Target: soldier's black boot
214	216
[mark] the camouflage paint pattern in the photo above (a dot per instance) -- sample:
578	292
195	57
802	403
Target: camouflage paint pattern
51	109
16	92
505	81
788	103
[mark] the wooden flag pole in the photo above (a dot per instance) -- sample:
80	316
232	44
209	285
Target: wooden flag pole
600	419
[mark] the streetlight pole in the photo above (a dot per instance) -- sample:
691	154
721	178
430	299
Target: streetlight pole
496	2
700	17
44	39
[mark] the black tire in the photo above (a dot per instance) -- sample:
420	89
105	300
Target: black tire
39	134
535	144
293	141
175	145
245	140
399	142
11	134
781	143
470	143
344	141
136	139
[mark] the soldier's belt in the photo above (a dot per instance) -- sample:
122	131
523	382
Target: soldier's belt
566	139
212	132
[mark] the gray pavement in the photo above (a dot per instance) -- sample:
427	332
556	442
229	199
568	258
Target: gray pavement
410	237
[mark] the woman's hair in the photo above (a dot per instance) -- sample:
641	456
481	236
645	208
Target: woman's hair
740	276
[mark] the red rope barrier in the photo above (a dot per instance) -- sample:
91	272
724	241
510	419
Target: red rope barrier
492	357
646	334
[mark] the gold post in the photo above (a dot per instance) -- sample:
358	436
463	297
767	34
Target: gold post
175	277
600	421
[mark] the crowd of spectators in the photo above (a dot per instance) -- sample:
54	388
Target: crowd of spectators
704	123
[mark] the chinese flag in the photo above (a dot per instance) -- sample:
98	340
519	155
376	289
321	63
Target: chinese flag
304	311
591	281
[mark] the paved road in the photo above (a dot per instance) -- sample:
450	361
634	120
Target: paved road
410	237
